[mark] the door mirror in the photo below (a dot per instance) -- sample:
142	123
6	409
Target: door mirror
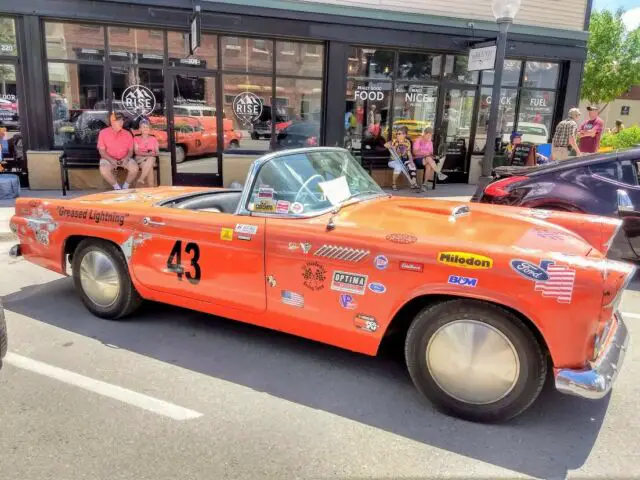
624	202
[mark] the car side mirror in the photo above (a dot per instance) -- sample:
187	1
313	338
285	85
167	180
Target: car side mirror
624	202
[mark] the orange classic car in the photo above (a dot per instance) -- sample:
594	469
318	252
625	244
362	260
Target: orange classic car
486	299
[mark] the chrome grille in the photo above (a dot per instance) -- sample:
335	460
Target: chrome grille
341	253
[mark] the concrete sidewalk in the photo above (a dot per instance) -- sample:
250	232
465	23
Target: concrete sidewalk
460	192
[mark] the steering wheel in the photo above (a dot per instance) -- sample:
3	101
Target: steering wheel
308	192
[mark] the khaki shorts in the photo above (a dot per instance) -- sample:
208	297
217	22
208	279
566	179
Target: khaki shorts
117	164
560	153
140	159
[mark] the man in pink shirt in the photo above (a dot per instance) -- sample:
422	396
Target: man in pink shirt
116	151
590	131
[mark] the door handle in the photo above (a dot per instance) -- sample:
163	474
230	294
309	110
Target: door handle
153	223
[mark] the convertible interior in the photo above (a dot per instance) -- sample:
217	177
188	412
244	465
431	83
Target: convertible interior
222	201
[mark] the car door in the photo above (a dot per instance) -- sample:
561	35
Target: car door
206	256
628	201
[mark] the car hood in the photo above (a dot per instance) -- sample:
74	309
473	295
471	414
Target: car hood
475	226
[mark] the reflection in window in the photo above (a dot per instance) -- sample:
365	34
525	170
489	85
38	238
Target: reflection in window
247	54
506	116
370	63
72	41
541	75
456	69
535	115
301	59
9	108
206	57
135	104
510	75
8	45
302	111
367	111
78	106
419	66
135	45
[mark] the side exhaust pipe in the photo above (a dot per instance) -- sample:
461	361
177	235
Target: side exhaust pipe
15	251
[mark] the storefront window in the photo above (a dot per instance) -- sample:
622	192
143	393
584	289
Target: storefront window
12	146
456	69
74	41
136	45
368	111
510	75
415	108
247	109
535	115
247	54
78	106
206	57
301	103
8	46
370	63
506	116
419	66
138	93
540	75
301	59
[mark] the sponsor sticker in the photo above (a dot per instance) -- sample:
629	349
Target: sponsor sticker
314	276
539	213
297	208
226	234
292	298
365	322
549	234
247	229
265	193
95	216
347	301
349	282
244	237
282	206
293	246
412	267
377	287
463	281
265	205
465	260
381	262
552	280
402	238
305	246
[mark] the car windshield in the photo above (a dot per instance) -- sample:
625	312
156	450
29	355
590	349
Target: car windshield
531	130
309	182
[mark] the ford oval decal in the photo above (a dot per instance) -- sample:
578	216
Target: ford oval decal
529	270
377	287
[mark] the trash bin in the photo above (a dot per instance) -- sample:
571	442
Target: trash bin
9	186
544	149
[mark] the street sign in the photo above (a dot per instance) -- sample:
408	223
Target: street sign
195	34
483	58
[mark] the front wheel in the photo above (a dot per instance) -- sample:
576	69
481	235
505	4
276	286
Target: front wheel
475	360
101	276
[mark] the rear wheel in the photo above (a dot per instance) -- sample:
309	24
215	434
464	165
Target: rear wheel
475	360
180	154
101	276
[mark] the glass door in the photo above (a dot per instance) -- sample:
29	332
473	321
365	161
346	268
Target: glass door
455	131
13	158
195	129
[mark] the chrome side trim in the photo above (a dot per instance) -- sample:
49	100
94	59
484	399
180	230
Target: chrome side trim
346	254
595	382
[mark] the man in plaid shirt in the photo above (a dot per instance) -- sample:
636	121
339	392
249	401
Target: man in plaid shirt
565	137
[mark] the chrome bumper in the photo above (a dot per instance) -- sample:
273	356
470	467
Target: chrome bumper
596	382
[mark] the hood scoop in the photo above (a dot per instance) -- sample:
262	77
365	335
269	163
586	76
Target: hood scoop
458	211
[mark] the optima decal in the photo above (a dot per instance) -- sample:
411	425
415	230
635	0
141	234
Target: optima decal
97	216
349	282
465	260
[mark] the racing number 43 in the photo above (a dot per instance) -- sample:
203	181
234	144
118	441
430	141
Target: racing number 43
174	262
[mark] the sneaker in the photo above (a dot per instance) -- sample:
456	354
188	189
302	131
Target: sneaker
424	188
442	176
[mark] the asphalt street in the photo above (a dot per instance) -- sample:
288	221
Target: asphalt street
177	394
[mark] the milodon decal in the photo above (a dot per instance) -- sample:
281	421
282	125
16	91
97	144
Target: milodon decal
292	298
552	280
95	216
365	322
465	260
349	282
347	301
381	262
377	287
402	238
412	266
463	281
246	229
226	234
314	276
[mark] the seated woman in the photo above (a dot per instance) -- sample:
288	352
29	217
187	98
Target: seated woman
423	156
402	146
146	148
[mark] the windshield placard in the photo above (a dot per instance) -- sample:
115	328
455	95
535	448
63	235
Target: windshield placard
336	190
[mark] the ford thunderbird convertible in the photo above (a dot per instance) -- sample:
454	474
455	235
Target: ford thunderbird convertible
489	300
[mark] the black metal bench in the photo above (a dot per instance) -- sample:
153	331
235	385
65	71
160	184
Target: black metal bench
85	157
378	159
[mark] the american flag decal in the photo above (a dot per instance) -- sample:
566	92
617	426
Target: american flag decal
559	284
292	298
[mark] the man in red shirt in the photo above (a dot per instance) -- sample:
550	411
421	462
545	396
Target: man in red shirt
116	151
590	131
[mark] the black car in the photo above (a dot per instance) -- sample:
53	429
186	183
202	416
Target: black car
599	184
299	135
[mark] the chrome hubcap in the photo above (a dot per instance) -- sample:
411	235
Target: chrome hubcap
99	278
473	362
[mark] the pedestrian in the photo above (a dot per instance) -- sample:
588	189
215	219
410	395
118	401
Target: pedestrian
590	131
565	137
116	151
618	128
146	148
423	156
402	146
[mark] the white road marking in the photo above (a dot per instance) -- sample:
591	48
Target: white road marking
102	388
631	315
